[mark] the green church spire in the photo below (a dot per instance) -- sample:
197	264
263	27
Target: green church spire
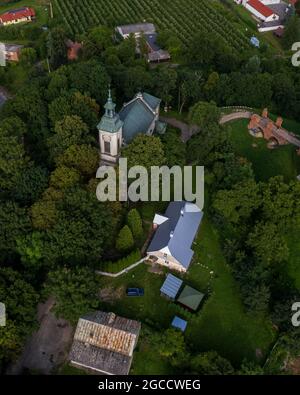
110	106
110	122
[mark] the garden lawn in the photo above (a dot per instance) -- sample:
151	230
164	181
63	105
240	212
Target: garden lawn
69	370
146	360
266	163
221	324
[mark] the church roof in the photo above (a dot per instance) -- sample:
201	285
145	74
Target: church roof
111	125
152	101
138	115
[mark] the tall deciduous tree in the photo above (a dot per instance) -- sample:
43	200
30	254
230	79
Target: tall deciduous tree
204	114
238	203
144	151
164	81
292	32
13	161
268	244
210	363
68	131
14	222
83	158
74	290
20	299
57	49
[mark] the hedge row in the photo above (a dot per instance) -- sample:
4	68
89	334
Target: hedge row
123	263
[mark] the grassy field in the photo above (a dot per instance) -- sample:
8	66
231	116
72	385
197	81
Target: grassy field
221	324
266	163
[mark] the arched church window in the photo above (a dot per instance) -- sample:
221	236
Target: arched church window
107	147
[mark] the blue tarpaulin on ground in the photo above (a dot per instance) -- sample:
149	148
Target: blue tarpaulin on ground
255	41
179	323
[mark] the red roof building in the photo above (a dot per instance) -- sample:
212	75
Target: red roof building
74	49
261	8
24	14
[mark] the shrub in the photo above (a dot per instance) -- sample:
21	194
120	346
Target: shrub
135	223
125	240
123	263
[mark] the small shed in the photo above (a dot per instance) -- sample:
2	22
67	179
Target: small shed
179	323
279	32
171	286
190	298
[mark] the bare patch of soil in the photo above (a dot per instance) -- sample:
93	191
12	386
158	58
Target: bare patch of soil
110	294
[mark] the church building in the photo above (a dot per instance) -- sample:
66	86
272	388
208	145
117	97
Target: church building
140	115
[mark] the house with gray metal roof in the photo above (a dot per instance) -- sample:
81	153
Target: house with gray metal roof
174	235
148	32
137	29
140	115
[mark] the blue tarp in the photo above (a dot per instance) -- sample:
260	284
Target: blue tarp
255	41
171	286
179	323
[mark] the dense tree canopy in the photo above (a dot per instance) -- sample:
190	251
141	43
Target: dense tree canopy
74	290
144	151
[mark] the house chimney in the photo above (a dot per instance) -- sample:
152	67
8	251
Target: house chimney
111	318
171	234
279	122
182	212
154	226
265	113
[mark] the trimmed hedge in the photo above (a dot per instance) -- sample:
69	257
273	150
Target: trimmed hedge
123	263
125	241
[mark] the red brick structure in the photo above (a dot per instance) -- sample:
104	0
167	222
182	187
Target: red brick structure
74	49
263	126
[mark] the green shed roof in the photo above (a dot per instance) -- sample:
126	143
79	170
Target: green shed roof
190	297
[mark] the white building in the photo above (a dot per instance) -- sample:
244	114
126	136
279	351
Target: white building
174	236
270	14
12	17
137	29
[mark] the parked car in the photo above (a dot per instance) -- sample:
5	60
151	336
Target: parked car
135	292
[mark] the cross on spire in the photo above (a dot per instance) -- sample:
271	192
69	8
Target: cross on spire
110	105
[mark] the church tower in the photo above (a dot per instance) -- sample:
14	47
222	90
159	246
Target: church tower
110	132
